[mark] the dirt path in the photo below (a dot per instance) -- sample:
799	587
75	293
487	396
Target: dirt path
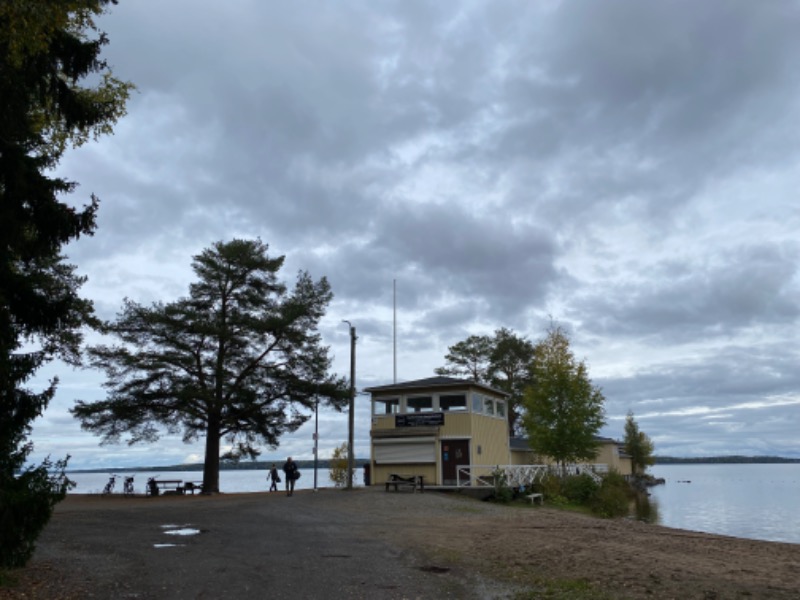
372	544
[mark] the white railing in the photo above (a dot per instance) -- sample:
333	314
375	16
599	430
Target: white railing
483	475
522	475
595	471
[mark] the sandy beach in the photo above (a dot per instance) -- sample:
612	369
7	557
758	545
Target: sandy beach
368	543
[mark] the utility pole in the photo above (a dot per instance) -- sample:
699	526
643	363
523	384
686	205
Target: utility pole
316	438
351	412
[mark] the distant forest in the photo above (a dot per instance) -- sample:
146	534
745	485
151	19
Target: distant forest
677	460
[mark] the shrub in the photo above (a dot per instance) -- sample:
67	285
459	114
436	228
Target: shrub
579	488
551	485
338	466
612	497
26	504
502	493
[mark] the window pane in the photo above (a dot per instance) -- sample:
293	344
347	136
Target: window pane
477	402
386	406
453	402
488	405
500	405
419	404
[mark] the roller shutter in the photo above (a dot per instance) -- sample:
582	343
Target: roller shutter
405	450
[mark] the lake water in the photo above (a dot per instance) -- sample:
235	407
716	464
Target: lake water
238	481
749	501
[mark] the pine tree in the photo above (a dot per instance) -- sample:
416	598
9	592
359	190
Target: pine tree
46	51
239	359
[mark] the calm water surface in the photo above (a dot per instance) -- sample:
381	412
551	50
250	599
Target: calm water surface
229	481
750	501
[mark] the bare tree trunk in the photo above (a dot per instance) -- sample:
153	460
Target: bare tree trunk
211	463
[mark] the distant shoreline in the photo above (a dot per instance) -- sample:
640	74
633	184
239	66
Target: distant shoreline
716	460
248	466
360	462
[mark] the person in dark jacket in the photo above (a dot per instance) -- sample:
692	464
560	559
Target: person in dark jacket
290	470
274	478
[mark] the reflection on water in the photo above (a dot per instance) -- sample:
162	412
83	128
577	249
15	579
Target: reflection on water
184	531
644	508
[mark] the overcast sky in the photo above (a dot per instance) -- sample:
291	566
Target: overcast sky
628	169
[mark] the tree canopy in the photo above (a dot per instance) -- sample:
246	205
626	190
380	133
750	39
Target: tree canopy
47	49
502	361
638	446
239	359
469	358
564	411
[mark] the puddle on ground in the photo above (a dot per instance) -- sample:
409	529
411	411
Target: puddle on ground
167	545
183	531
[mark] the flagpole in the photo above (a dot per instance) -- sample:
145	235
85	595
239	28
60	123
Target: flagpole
394	328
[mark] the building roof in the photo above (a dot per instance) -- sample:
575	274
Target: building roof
521	443
431	383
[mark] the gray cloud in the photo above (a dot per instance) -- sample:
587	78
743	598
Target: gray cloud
627	168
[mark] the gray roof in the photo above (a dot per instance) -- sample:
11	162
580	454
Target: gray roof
521	443
431	383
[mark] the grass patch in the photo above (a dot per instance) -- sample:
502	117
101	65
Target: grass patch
562	589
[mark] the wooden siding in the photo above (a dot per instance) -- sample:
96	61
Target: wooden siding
457	425
491	435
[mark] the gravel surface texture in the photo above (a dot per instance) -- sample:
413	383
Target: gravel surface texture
368	543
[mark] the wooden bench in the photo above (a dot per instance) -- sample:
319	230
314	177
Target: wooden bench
413	481
164	486
534	497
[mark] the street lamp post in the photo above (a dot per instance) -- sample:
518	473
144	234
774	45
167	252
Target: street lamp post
316	439
351	411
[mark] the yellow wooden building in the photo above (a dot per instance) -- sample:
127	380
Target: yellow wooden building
448	431
435	427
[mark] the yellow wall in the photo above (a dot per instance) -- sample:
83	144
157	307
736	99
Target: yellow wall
607	454
457	425
491	434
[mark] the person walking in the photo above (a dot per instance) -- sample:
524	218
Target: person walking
274	478
290	471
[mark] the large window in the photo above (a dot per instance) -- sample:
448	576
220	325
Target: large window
453	402
386	406
419	404
487	405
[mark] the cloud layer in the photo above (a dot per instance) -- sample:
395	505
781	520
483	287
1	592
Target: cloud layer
626	168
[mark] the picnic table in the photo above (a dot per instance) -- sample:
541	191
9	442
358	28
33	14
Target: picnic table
192	487
398	480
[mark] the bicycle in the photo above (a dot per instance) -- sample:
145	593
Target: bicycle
127	487
110	485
